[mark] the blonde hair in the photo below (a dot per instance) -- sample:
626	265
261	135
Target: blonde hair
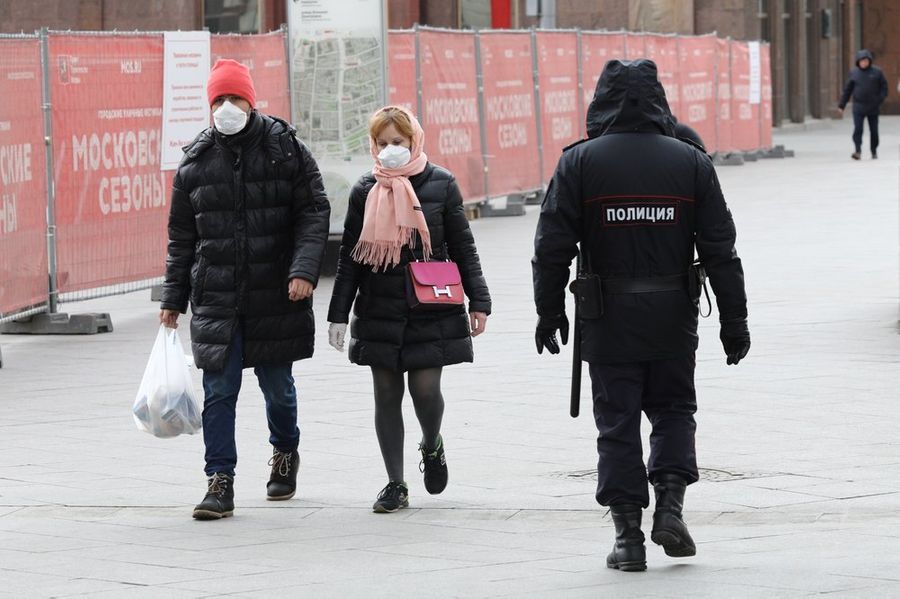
391	115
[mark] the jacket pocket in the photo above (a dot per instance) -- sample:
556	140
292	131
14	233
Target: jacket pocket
198	279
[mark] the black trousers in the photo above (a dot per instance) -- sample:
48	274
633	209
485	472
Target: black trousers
664	390
858	119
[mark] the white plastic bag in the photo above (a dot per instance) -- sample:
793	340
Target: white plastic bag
166	404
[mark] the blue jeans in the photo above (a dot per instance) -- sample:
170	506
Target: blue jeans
221	393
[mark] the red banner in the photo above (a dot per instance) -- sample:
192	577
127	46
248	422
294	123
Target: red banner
23	172
450	108
723	113
765	107
596	50
561	115
111	197
663	50
697	108
744	115
264	55
402	69
509	119
635	46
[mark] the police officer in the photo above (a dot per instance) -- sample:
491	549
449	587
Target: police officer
639	201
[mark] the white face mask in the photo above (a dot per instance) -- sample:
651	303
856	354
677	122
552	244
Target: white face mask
393	156
229	119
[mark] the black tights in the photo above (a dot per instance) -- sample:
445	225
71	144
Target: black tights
425	388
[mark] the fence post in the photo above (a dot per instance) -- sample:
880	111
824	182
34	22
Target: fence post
718	82
482	113
53	290
579	60
419	100
537	103
759	110
286	28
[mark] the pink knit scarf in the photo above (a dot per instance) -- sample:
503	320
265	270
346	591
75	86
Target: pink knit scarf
393	213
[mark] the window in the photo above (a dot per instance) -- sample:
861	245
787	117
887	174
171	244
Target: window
475	14
232	16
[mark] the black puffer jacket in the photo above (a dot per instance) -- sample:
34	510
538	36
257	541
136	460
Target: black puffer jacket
385	332
639	201
868	87
249	213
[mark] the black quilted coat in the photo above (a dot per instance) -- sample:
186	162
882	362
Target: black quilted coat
385	333
249	213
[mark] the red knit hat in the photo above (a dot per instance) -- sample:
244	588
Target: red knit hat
230	78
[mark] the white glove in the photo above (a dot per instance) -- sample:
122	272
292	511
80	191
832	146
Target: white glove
336	333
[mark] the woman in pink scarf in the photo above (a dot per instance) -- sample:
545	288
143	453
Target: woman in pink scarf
405	209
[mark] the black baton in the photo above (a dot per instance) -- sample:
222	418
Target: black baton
575	397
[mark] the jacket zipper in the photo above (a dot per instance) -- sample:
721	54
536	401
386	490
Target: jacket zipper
240	231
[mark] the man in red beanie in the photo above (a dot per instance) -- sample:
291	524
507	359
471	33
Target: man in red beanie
247	232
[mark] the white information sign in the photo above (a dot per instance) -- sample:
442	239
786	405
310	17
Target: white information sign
185	107
755	79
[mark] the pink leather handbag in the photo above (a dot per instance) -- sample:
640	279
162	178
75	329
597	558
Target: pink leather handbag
433	284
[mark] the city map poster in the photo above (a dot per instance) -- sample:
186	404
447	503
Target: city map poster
337	60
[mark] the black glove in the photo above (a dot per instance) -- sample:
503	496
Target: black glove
545	334
735	338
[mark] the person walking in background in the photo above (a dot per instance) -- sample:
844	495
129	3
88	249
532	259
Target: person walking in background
406	209
639	202
247	230
868	88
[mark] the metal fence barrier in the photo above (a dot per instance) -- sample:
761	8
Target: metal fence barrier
84	202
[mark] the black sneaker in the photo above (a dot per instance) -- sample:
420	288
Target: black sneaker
393	497
434	466
283	479
219	500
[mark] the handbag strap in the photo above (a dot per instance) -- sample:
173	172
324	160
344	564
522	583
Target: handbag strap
424	259
412	253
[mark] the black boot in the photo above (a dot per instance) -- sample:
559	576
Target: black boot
629	553
219	500
669	529
283	479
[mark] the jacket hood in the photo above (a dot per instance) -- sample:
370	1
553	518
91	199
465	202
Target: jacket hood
864	54
629	97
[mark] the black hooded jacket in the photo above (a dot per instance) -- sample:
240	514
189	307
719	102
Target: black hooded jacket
249	212
868	87
639	201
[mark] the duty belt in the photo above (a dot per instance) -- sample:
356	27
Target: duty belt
645	284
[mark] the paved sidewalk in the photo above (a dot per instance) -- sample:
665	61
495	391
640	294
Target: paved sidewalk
801	483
